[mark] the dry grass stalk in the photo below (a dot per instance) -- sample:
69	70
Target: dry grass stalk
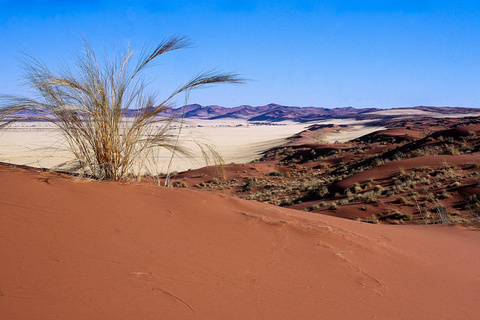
89	106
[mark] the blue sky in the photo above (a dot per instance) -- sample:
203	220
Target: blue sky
331	53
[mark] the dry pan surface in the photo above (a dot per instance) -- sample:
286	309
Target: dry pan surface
40	144
74	249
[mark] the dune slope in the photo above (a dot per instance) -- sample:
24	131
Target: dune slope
73	249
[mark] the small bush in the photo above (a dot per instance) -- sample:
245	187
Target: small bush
402	200
400	171
180	184
276	174
248	186
89	104
452	150
444	195
455	184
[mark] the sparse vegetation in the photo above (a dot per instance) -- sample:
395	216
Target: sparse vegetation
326	178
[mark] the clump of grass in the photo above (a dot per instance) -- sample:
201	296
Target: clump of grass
400	171
445	195
367	185
356	187
373	219
402	200
90	103
475	165
455	184
248	186
180	184
425	181
370	197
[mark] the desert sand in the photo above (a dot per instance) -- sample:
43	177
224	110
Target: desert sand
412	112
345	135
76	249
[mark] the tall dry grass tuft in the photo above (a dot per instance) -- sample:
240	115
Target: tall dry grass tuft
89	105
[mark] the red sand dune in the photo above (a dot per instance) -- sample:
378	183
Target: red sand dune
72	249
388	170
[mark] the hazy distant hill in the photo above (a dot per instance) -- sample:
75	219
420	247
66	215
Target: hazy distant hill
275	112
270	112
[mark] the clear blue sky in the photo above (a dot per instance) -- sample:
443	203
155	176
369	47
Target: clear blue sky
332	53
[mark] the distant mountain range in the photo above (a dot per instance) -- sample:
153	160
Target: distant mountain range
276	113
270	112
